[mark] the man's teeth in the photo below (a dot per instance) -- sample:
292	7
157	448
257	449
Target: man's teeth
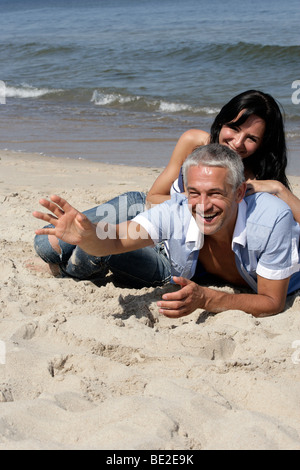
209	217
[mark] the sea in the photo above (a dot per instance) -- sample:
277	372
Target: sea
118	81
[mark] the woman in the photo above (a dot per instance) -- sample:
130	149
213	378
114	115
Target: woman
251	124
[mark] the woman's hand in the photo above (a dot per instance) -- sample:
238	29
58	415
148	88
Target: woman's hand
264	186
277	189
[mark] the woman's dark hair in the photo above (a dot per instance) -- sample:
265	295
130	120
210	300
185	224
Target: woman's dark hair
270	160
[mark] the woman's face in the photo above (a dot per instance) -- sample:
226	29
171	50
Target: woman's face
246	138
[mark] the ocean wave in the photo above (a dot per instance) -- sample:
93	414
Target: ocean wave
186	51
166	107
104	99
37	49
293	135
140	103
107	98
255	51
240	51
27	91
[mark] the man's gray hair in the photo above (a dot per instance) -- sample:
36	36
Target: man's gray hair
216	155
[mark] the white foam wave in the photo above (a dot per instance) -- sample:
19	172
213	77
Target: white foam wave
293	135
103	99
27	91
162	106
166	107
210	110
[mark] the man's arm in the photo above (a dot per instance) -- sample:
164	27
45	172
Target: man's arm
75	228
270	299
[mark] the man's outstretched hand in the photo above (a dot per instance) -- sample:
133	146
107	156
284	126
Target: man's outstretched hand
69	224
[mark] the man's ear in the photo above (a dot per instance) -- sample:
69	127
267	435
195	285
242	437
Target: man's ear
240	192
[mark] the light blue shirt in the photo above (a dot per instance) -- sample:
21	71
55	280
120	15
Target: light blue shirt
265	239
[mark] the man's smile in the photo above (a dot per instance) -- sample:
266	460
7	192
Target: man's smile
210	218
207	218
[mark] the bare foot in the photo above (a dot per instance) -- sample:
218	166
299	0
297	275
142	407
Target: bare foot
54	269
39	266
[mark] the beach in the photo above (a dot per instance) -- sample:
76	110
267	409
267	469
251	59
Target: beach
86	366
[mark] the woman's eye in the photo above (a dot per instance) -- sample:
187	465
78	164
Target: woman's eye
232	126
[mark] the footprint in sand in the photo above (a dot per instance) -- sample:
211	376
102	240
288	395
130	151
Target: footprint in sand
7	270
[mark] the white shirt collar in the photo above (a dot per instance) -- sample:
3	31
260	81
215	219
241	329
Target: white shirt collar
239	234
194	235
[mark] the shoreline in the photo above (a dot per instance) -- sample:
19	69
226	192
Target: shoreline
137	148
96	367
35	156
86	165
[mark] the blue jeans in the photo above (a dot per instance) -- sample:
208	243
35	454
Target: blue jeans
148	267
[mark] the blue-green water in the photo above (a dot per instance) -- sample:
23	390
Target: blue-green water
119	81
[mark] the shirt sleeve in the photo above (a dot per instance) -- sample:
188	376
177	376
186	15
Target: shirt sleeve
156	222
280	259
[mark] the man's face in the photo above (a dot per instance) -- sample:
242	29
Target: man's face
212	199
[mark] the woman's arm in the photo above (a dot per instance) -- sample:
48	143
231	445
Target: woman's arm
279	190
160	190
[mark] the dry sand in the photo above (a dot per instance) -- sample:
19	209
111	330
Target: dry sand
90	367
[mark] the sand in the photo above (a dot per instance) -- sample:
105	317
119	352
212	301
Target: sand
89	367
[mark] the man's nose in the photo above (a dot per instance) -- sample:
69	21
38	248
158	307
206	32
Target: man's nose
205	203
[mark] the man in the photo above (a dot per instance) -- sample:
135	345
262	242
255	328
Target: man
247	242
